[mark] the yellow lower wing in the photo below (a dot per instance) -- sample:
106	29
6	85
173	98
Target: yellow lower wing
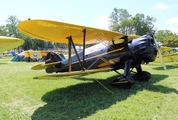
43	66
75	73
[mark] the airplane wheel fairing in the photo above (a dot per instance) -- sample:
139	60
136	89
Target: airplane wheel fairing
124	86
144	77
123	82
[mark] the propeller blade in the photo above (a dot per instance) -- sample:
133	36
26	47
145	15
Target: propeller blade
160	55
161	59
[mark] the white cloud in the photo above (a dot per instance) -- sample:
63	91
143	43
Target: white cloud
172	20
161	6
102	22
175	5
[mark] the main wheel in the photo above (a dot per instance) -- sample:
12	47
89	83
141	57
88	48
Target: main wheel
145	76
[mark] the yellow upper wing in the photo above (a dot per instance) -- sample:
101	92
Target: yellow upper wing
58	31
8	43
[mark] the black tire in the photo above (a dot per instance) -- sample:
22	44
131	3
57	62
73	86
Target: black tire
144	77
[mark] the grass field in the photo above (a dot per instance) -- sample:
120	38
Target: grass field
82	97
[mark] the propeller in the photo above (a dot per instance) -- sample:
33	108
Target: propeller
159	53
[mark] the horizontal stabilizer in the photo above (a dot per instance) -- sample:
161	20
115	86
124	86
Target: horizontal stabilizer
43	66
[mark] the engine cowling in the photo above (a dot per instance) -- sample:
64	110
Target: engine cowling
143	49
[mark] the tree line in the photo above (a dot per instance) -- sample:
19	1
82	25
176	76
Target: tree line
10	29
122	21
119	20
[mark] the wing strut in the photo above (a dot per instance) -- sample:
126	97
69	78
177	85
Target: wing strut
69	49
70	58
84	39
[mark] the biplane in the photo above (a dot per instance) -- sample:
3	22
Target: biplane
169	54
8	43
110	51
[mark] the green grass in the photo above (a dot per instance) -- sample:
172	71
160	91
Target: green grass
82	97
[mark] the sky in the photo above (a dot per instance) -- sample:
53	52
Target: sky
91	13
